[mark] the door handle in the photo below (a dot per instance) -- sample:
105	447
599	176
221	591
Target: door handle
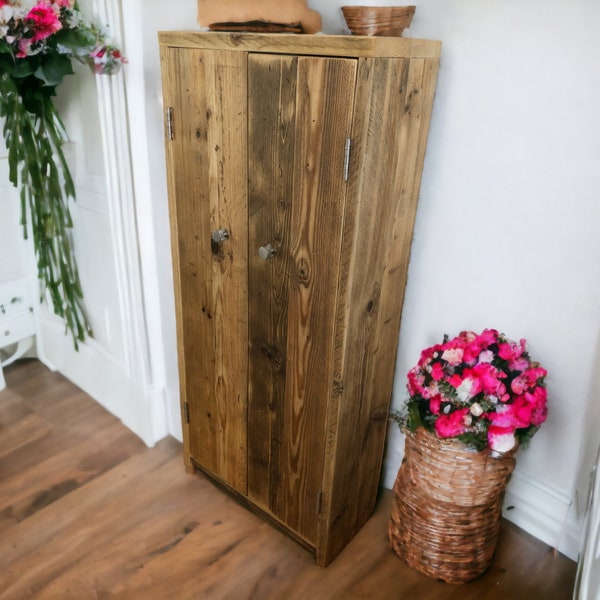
266	252
220	235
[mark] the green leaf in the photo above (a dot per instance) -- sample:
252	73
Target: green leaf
24	67
53	69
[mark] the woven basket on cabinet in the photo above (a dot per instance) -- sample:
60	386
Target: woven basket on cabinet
446	507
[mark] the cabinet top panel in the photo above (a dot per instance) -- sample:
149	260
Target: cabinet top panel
322	45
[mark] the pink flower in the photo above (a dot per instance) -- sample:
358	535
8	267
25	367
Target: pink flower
519	384
488	376
44	21
434	404
451	425
537	401
487	337
24	45
415	382
520	364
455	380
535	374
504	417
437	371
511	351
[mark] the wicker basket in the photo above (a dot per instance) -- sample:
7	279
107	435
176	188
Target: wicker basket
447	506
378	20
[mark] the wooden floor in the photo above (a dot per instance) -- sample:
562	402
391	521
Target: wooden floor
87	511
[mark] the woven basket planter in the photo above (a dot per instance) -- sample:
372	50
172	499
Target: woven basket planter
447	506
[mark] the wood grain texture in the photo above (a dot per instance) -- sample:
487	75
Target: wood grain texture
299	119
391	120
271	135
139	526
324	107
318	45
318	342
208	165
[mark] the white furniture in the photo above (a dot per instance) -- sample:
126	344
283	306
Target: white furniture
17	322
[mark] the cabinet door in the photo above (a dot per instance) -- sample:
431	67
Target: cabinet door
208	187
299	118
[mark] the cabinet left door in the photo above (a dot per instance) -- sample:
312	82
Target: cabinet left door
207	167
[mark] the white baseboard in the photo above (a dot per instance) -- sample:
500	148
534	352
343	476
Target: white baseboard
121	391
544	512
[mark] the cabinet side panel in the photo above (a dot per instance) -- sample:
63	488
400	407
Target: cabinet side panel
169	71
208	192
394	99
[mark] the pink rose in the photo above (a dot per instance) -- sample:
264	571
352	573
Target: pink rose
487	337
535	374
44	21
435	404
437	371
520	364
511	351
537	401
488	377
415	382
519	384
451	425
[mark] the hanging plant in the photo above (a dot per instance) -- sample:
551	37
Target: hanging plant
38	44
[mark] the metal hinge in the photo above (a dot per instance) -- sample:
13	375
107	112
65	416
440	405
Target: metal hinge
319	499
169	122
347	159
186	412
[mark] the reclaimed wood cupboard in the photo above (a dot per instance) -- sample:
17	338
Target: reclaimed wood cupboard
294	164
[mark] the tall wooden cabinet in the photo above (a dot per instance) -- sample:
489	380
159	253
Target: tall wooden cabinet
294	164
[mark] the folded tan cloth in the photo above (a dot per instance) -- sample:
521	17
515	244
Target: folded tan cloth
290	12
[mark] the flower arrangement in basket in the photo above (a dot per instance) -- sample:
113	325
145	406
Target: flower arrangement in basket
480	388
470	396
38	43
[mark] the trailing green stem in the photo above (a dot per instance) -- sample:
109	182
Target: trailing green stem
34	137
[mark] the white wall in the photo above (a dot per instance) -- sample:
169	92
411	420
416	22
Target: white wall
10	231
506	227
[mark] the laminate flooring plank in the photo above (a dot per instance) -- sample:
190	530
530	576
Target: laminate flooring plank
19	424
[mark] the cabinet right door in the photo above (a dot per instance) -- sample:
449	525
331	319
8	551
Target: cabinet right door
300	112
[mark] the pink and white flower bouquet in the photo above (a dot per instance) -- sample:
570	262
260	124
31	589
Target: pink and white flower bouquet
480	388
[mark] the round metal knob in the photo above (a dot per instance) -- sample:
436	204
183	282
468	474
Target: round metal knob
220	235
266	252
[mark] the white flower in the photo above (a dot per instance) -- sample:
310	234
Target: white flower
464	390
501	443
453	355
476	409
